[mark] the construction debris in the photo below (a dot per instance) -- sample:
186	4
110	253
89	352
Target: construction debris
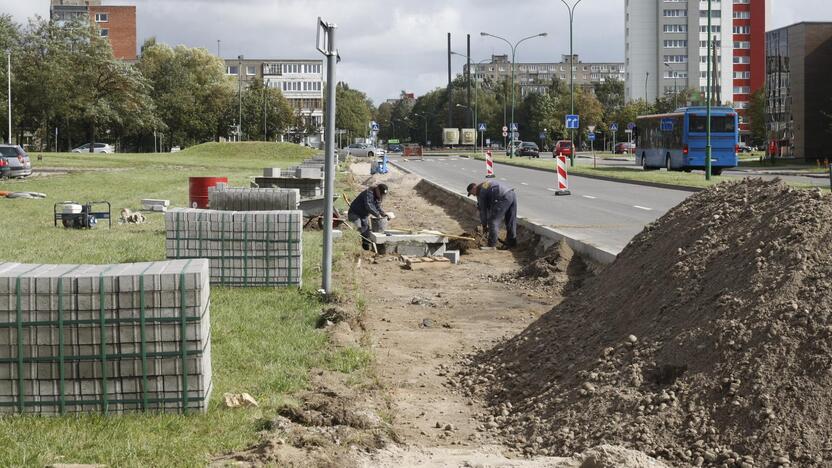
130	217
707	342
239	400
30	195
423	263
160	206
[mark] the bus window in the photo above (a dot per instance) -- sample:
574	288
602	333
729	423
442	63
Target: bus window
719	124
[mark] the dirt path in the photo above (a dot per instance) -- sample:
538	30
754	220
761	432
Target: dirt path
421	323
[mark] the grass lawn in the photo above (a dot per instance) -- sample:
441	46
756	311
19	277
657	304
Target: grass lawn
264	340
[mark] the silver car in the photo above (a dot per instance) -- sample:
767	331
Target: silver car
14	162
99	148
361	149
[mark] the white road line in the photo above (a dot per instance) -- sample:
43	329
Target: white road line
503	179
643	208
551	190
523	183
589	196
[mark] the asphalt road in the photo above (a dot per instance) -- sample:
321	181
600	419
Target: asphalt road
605	214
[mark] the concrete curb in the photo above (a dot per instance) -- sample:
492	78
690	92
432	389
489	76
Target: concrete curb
548	236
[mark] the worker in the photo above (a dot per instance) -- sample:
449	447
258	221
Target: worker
366	204
497	203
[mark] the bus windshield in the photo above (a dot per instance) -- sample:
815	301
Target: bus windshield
719	124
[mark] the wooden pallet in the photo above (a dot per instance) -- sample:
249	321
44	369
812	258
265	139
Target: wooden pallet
424	263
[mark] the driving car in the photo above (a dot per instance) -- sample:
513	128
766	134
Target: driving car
529	149
102	148
625	148
562	148
14	162
395	148
361	149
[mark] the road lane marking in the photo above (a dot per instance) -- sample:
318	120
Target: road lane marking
503	179
589	196
551	190
523	183
643	208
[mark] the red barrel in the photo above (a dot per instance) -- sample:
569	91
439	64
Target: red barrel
198	189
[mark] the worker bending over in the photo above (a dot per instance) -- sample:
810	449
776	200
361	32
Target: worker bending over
366	204
497	203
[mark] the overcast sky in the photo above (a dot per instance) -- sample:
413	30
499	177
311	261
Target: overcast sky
393	45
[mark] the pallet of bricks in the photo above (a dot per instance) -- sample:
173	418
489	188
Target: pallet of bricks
224	198
105	338
245	248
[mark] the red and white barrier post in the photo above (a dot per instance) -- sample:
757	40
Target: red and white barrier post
563	177
489	165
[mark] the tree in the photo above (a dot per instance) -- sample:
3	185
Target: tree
266	112
611	95
192	93
354	110
757	115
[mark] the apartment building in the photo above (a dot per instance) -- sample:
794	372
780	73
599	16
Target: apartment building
749	29
302	84
116	23
537	77
798	90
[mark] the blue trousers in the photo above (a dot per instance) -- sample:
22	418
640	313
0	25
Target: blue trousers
503	211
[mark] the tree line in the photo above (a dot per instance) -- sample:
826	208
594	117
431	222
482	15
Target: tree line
65	78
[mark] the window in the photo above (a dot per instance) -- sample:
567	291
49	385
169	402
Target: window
676	58
742	15
675	28
675	13
251	70
698	124
104	33
742	60
675	44
742	29
742	44
102	17
233	70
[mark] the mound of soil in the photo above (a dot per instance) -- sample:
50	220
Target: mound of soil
708	342
558	271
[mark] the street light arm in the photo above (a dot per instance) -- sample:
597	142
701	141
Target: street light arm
530	37
485	34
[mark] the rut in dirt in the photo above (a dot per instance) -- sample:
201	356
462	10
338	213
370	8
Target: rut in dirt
707	343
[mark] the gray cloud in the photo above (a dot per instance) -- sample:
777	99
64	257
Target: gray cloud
393	45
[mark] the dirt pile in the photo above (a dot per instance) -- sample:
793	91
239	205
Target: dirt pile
708	342
557	271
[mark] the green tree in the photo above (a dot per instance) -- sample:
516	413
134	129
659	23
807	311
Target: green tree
191	91
354	110
266	113
757	115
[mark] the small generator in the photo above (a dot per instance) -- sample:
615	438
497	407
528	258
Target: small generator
75	215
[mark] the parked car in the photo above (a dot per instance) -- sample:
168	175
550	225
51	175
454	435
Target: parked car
562	148
99	148
742	148
395	148
529	149
14	162
362	150
625	148
517	144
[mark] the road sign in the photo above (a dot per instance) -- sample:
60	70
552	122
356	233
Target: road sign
392	141
667	125
482	127
542	135
628	131
591	136
505	129
613	127
505	134
374	126
591	128
488	142
514	127
631	126
573	122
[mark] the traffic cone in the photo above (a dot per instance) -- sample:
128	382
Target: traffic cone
563	177
489	165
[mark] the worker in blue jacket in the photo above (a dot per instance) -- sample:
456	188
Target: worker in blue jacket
497	203
366	204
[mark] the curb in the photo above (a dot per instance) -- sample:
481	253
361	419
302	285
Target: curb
550	235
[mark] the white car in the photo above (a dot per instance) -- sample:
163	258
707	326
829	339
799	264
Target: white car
361	149
99	148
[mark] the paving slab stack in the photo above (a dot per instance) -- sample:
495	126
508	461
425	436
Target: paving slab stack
105	338
226	198
245	248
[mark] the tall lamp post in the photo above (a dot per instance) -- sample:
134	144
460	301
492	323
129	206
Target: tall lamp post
675	89
424	116
513	56
571	9
240	95
9	96
708	149
476	86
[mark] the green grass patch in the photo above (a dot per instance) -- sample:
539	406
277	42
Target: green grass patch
264	340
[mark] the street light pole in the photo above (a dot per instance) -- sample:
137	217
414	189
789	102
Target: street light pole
326	46
708	149
9	76
476	84
240	95
513	57
675	89
571	10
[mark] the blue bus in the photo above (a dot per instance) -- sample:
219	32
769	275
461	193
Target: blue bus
677	141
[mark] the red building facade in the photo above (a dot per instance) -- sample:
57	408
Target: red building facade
749	53
118	25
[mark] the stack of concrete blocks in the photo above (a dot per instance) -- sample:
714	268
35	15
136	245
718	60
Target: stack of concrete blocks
309	180
245	248
150	204
226	198
105	338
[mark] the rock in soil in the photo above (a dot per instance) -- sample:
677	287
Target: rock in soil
708	342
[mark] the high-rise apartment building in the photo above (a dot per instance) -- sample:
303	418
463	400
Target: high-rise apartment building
302	84
116	23
666	47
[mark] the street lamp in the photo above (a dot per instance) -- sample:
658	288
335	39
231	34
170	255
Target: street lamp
476	86
469	109
571	9
708	149
9	76
675	89
425	116
240	93
513	56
